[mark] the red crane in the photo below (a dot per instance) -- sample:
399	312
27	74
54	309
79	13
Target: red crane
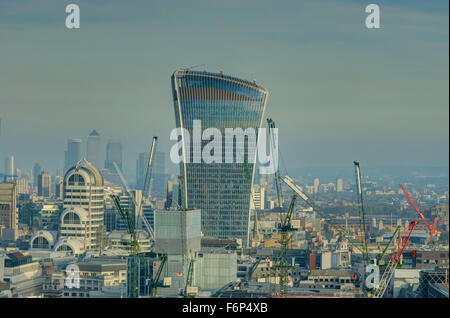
394	260
431	228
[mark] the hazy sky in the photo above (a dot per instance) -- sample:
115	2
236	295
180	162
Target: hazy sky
338	91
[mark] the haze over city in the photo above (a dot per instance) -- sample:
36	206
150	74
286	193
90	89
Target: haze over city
338	92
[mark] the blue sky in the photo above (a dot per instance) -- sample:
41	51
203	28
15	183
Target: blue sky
338	91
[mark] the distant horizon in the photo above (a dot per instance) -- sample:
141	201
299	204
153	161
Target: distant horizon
338	91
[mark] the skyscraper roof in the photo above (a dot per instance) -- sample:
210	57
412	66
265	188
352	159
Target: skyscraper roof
94	133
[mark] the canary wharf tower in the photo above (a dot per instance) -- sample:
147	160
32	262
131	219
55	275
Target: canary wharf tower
221	190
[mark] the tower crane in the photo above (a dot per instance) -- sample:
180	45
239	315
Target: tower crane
393	261
131	222
271	125
362	213
297	189
431	228
281	266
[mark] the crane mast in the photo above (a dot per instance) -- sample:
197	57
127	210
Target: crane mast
393	261
132	225
271	125
362	214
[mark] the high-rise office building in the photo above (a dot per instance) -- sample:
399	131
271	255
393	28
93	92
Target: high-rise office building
141	165
159	176
113	154
8	206
220	190
22	186
316	185
36	173
339	185
94	149
9	166
45	185
73	153
82	218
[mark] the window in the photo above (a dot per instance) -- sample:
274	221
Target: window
71	218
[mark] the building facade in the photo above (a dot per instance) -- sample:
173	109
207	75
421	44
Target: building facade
220	190
113	154
94	149
73	153
83	215
45	185
8	206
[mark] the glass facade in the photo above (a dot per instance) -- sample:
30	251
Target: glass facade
220	190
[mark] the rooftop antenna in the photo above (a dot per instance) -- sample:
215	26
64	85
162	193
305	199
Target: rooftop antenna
192	67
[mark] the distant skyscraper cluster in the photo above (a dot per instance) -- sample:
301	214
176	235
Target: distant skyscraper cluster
73	153
94	149
113	154
9	166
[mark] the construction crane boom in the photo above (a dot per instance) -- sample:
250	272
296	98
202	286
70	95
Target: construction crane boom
297	189
380	257
155	280
362	213
139	205
393	261
431	228
271	125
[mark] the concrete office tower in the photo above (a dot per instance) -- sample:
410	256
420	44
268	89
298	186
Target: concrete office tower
83	215
141	166
45	185
339	185
316	185
220	190
113	154
178	235
258	197
94	149
73	153
8	203
9	166
22	186
36	172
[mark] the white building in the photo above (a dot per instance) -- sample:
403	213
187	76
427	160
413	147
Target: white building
83	215
258	198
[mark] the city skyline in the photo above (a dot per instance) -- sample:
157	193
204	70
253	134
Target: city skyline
371	106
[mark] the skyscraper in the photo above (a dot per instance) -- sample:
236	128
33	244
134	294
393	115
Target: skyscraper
159	176
82	219
220	190
141	165
94	149
8	209
9	166
73	154
36	173
339	185
45	185
113	154
316	185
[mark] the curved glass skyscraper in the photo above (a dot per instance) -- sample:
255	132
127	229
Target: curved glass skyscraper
221	190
